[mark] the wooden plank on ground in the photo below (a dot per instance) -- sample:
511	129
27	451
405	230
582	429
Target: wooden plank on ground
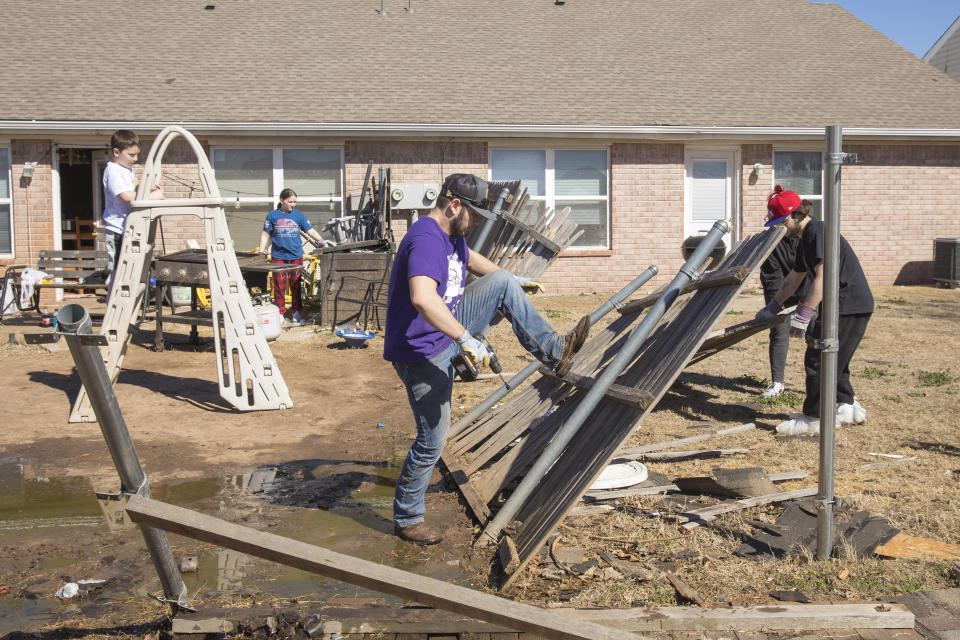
774	616
363	573
659	446
693	519
904	546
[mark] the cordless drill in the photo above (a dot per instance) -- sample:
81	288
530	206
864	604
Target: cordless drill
467	369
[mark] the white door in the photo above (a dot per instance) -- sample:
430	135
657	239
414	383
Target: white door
709	193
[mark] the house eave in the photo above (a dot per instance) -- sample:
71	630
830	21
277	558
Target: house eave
467	130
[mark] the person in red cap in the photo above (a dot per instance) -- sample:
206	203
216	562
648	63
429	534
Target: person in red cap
855	309
778	266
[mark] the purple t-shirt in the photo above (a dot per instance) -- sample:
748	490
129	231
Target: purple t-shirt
424	251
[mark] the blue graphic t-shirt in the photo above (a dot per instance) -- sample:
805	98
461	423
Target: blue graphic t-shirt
284	230
424	251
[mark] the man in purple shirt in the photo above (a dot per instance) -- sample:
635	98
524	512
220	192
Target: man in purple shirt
431	317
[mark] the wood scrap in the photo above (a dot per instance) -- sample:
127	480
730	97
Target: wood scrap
685	590
670	444
616	494
693	519
509	560
889	463
732	483
697	453
914	548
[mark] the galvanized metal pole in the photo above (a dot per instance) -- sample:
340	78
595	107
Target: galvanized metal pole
488	225
74	323
511	384
610	374
829	341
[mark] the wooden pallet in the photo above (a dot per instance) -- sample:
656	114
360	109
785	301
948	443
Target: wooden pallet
489	456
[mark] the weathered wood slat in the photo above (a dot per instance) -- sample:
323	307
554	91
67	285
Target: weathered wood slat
367	574
659	446
638	399
693	519
716	278
772	617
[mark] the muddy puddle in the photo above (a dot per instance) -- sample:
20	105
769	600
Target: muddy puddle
344	506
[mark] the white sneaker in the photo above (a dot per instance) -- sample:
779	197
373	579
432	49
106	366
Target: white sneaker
851	413
296	316
775	389
799	425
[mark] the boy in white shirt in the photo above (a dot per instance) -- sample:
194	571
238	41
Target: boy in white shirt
119	190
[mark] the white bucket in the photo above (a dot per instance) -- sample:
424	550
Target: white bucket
269	319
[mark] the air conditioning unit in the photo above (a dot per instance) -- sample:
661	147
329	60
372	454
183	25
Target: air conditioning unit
946	260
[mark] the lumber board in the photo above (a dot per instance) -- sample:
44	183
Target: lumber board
683	455
773	617
720	340
614	494
696	517
911	547
670	444
443	595
887	463
636	398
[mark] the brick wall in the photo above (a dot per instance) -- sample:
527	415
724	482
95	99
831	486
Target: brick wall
896	200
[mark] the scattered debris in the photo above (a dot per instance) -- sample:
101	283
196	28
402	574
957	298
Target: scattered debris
796	529
189	564
790	596
80	588
696	517
733	483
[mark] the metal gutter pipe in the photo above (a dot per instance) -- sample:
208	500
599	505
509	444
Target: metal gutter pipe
74	324
623	358
829	342
531	368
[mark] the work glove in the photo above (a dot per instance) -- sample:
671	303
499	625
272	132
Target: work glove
773	308
800	319
528	285
474	349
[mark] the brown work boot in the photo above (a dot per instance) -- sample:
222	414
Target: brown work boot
418	533
574	341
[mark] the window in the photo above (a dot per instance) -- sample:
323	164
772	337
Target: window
575	178
6	219
254	178
802	172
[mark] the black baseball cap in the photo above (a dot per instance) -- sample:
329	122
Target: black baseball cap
471	190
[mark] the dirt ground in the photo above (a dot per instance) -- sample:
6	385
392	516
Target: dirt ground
332	460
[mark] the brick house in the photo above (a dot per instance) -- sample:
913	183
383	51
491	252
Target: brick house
650	119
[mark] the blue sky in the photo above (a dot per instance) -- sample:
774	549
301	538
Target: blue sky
913	24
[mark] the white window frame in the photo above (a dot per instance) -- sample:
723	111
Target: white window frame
549	197
7	199
800	149
277	176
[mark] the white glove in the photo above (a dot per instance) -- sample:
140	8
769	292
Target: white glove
474	349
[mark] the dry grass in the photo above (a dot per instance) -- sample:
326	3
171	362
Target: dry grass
907	375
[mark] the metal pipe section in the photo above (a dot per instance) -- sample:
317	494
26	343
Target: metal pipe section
74	322
829	338
488	225
531	368
626	354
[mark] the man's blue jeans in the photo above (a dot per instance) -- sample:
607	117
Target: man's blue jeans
430	383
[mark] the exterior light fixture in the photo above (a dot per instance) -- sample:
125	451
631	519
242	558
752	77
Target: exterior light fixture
28	168
758	169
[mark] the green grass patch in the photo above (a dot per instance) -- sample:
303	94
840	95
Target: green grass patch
900	300
555	314
785	399
915	394
873	373
934	378
751	380
733	312
895	399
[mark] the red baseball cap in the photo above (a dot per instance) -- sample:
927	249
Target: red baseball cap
781	204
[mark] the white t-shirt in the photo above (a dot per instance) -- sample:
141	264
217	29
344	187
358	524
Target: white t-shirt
116	180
